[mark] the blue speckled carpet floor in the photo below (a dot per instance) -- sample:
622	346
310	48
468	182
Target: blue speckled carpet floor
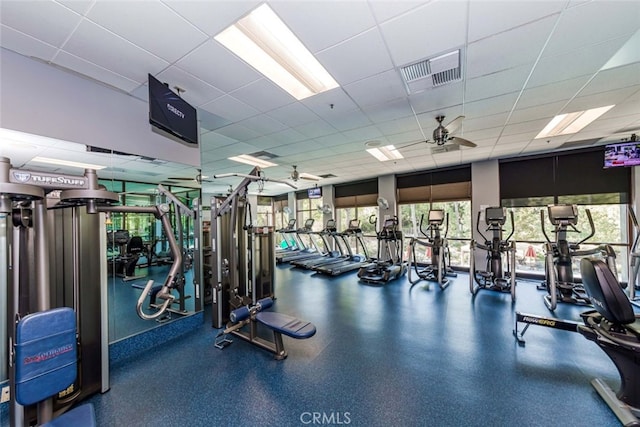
394	355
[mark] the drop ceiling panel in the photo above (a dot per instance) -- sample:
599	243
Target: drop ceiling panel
167	35
501	52
429	37
197	92
316	129
597	100
239	133
212	16
79	6
593	22
385	10
94	71
219	67
101	47
471	123
490	106
263	95
614	78
557	91
545	111
578	62
438	98
488	18
320	25
262	124
506	81
26	45
377	89
53	22
349	120
230	108
365	48
294	114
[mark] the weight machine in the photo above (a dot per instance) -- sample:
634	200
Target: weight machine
559	281
52	243
494	278
435	241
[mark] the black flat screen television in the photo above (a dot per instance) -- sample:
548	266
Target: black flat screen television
622	154
172	114
314	193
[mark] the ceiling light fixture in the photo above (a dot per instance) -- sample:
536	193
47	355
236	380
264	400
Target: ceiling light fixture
304	175
565	124
253	161
69	163
265	42
386	153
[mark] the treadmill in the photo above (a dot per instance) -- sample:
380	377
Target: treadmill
329	255
354	261
306	251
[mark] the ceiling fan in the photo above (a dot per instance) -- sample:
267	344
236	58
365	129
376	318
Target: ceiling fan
443	134
295	175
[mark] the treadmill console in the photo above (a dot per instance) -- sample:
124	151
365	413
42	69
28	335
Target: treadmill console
436	216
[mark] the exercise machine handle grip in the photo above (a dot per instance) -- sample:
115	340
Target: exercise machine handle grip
162	294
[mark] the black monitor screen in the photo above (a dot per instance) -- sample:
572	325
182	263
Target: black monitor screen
171	113
291	224
314	193
308	224
495	215
622	154
563	212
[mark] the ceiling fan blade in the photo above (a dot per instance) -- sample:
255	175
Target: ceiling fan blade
462	141
412	144
308	178
454	124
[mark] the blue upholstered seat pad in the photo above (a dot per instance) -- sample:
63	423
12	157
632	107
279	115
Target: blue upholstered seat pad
287	325
80	416
45	354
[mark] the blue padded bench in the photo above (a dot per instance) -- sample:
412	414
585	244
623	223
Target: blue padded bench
285	324
46	362
278	323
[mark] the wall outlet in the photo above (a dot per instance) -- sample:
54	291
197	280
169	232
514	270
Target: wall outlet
5	396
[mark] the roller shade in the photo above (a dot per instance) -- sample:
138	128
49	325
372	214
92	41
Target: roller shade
435	186
362	193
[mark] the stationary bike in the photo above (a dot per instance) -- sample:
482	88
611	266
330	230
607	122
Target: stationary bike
495	277
436	240
559	280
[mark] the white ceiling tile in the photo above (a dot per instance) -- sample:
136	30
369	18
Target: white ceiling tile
197	92
593	22
348	120
26	45
499	52
562	90
545	111
79	6
471	124
330	103
417	35
212	16
294	114
44	20
385	10
230	108
534	126
576	63
614	78
101	47
316	128
331	23
490	106
365	48
601	99
164	33
262	124
263	95
505	81
438	98
492	17
219	67
94	71
377	89
389	111
238	132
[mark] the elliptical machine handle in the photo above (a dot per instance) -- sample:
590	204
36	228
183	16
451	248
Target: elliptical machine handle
513	228
544	231
591	225
478	227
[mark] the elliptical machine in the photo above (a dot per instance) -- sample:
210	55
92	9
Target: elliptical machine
559	253
389	265
436	240
634	260
494	278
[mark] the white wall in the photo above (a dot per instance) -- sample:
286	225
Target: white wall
44	100
387	190
485	191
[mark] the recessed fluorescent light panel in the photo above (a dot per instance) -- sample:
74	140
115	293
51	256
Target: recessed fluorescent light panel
305	175
69	163
565	124
386	153
265	42
253	161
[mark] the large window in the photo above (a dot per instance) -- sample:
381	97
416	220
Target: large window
528	185
367	216
265	212
458	228
308	208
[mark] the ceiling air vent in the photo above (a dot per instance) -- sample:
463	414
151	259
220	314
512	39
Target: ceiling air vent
432	72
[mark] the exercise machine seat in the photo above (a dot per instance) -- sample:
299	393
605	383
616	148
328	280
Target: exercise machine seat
46	360
615	328
605	292
287	325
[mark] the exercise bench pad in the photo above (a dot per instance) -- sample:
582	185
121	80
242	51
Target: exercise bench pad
287	325
45	354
